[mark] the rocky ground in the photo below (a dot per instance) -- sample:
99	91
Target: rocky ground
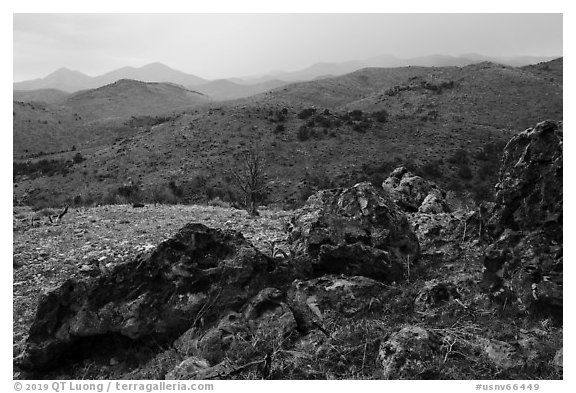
363	282
89	240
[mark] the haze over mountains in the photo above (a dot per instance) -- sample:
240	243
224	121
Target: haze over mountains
69	81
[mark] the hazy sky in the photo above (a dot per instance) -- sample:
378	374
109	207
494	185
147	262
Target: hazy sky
224	45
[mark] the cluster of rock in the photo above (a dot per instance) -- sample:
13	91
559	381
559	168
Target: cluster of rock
524	260
211	291
415	194
212	294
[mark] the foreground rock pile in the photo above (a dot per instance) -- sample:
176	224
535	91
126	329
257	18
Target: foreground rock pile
214	306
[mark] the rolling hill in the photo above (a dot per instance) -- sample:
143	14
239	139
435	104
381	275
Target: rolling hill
224	89
46	96
126	98
63	79
154	72
448	123
96	116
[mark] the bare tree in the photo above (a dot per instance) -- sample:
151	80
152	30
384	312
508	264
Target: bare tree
250	178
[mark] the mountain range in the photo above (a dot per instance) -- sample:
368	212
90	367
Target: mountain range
69	81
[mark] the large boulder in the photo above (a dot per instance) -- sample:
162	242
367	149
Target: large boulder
413	193
193	278
354	231
524	259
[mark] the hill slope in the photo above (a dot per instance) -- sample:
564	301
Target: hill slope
447	123
46	96
96	116
126	98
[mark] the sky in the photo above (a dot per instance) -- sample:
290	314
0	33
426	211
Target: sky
214	46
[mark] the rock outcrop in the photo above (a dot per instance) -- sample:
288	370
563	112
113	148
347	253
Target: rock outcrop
196	276
354	231
524	259
415	194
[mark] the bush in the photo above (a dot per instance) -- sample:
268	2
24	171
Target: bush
380	116
465	173
176	190
279	129
303	133
431	169
362	126
78	158
356	115
460	157
306	113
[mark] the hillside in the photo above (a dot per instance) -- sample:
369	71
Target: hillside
225	89
154	72
45	96
62	79
354	285
94	117
449	123
126	98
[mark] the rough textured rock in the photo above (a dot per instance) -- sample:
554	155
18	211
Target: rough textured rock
435	293
265	318
558	360
354	231
413	193
409	353
190	366
197	275
525	257
338	295
502	354
434	202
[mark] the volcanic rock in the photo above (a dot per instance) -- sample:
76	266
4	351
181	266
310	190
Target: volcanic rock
409	353
354	231
200	273
525	254
413	193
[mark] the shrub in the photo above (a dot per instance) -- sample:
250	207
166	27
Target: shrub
362	126
356	115
78	158
279	129
460	157
306	113
465	173
303	133
380	116
431	169
176	189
